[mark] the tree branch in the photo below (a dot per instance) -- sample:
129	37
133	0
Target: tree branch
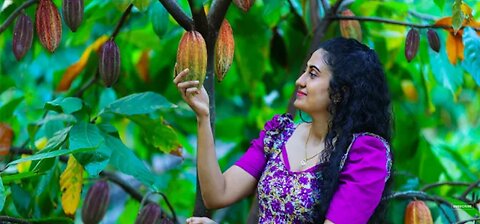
8	219
423	196
177	13
452	183
87	85
393	22
15	13
470	188
121	22
217	14
199	18
314	17
325	5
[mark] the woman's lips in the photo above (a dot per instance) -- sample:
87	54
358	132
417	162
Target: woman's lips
300	93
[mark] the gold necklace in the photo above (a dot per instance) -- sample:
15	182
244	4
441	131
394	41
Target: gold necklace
304	161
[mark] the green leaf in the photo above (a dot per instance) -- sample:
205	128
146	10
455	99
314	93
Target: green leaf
127	162
47	155
86	135
457	15
66	105
159	17
157	133
472	53
7	109
2	195
22	199
138	103
20	176
440	3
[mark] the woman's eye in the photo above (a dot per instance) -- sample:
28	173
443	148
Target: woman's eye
312	75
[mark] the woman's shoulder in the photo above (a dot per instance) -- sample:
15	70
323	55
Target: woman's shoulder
279	121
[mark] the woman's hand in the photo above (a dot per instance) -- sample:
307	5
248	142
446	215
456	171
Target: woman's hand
200	220
196	98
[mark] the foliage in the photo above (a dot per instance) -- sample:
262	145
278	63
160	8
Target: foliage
136	126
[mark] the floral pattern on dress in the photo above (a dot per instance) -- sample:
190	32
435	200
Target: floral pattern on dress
285	196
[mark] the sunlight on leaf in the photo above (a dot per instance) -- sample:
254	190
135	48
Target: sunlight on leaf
71	182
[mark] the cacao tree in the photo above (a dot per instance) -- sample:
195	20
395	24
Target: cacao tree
92	129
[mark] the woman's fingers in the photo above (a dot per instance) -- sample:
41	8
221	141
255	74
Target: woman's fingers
191	90
180	76
200	220
187	84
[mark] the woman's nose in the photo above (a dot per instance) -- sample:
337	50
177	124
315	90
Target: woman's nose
300	81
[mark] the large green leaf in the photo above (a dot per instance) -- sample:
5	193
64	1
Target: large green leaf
472	53
2	195
127	162
66	105
138	103
55	142
9	105
157	133
86	135
22	199
52	154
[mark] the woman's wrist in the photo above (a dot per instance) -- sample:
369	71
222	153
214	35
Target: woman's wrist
203	117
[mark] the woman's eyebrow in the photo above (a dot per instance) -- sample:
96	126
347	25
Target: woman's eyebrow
315	67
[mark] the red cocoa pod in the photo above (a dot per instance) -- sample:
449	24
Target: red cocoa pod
224	49
411	44
150	214
433	40
109	65
22	36
192	54
350	28
96	203
418	212
244	4
49	25
6	136
73	13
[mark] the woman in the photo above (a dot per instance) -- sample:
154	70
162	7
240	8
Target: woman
333	169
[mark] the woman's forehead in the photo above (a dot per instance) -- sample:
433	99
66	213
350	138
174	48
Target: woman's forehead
317	59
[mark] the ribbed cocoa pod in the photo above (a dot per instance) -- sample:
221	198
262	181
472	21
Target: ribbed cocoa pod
433	40
411	44
109	65
73	13
350	28
22	36
150	214
96	203
49	25
192	54
224	49
418	212
244	4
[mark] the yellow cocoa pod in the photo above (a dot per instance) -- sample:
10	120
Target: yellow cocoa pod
350	28
192	54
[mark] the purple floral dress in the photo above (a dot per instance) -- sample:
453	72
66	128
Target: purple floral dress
287	196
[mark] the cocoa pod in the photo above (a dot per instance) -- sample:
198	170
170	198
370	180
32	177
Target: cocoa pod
411	44
150	214
96	203
167	221
418	212
350	28
224	49
73	13
109	65
22	36
244	4
433	40
6	136
192	54
49	25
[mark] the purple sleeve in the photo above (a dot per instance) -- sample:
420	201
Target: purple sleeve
361	182
254	161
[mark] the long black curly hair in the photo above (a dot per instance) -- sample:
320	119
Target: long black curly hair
360	103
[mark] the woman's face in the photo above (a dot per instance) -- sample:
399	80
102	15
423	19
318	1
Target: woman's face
313	84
